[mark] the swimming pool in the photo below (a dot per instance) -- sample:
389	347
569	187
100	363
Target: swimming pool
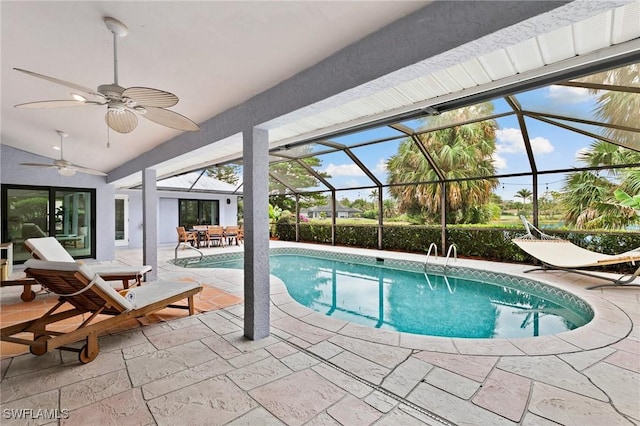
398	295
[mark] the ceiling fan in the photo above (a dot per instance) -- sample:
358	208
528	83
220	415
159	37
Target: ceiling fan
122	104
64	167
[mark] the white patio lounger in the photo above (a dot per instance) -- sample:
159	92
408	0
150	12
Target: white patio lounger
49	248
556	253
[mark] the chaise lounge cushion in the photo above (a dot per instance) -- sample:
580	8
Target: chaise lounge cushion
156	291
49	248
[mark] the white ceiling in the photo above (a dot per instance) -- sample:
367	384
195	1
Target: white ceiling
212	55
216	55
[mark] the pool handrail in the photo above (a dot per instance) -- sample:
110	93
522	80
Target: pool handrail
435	249
455	254
446	281
186	245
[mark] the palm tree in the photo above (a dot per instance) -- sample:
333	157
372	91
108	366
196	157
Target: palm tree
525	194
589	199
616	106
374	197
388	208
460	152
620	108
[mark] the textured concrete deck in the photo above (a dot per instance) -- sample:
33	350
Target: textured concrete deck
316	370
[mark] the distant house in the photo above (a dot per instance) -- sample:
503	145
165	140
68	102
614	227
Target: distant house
341	211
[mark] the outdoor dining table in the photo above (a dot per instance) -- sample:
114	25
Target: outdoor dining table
202	235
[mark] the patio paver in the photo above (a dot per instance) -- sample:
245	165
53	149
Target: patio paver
201	370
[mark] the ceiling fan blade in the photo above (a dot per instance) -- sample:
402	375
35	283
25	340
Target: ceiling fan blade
87	170
147	97
121	121
56	104
37	165
170	119
61	82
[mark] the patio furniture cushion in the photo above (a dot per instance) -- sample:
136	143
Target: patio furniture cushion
48	248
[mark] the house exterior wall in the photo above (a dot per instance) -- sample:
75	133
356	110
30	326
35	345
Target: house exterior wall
168	213
11	172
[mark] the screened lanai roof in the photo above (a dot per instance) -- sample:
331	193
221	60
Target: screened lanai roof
199	181
537	132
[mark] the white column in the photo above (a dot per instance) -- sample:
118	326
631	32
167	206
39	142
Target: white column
150	223
256	240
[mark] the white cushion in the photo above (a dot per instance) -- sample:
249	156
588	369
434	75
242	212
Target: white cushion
83	269
117	270
156	291
48	248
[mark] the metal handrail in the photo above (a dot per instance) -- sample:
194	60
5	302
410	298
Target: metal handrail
435	249
432	287
446	280
189	247
455	254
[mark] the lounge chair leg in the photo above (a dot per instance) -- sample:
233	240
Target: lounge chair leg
192	309
90	350
620	281
27	294
39	346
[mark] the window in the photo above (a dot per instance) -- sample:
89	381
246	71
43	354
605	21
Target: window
37	211
199	212
122	220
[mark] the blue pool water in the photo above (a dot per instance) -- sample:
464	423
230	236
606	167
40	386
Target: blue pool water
434	305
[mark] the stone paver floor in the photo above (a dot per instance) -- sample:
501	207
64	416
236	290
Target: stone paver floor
316	370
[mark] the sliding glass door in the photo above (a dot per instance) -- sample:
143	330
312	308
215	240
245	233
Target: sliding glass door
64	213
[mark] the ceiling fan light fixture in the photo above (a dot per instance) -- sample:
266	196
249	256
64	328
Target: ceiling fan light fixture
65	171
121	102
78	97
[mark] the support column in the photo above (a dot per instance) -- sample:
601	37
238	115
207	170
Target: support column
443	217
150	223
255	145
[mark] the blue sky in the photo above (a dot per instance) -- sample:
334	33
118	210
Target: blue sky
553	146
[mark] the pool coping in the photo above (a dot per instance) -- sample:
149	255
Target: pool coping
599	332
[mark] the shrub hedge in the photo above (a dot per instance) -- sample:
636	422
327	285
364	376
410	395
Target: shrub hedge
481	242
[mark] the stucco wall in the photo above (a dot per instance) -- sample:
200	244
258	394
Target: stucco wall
168	213
11	172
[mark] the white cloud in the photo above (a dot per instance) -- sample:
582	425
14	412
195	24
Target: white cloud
541	145
510	141
352	183
381	167
343	170
499	162
571	95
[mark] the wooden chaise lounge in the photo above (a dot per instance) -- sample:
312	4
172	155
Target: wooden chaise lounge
88	294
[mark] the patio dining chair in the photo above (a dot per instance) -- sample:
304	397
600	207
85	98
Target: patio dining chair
231	233
216	233
185	236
